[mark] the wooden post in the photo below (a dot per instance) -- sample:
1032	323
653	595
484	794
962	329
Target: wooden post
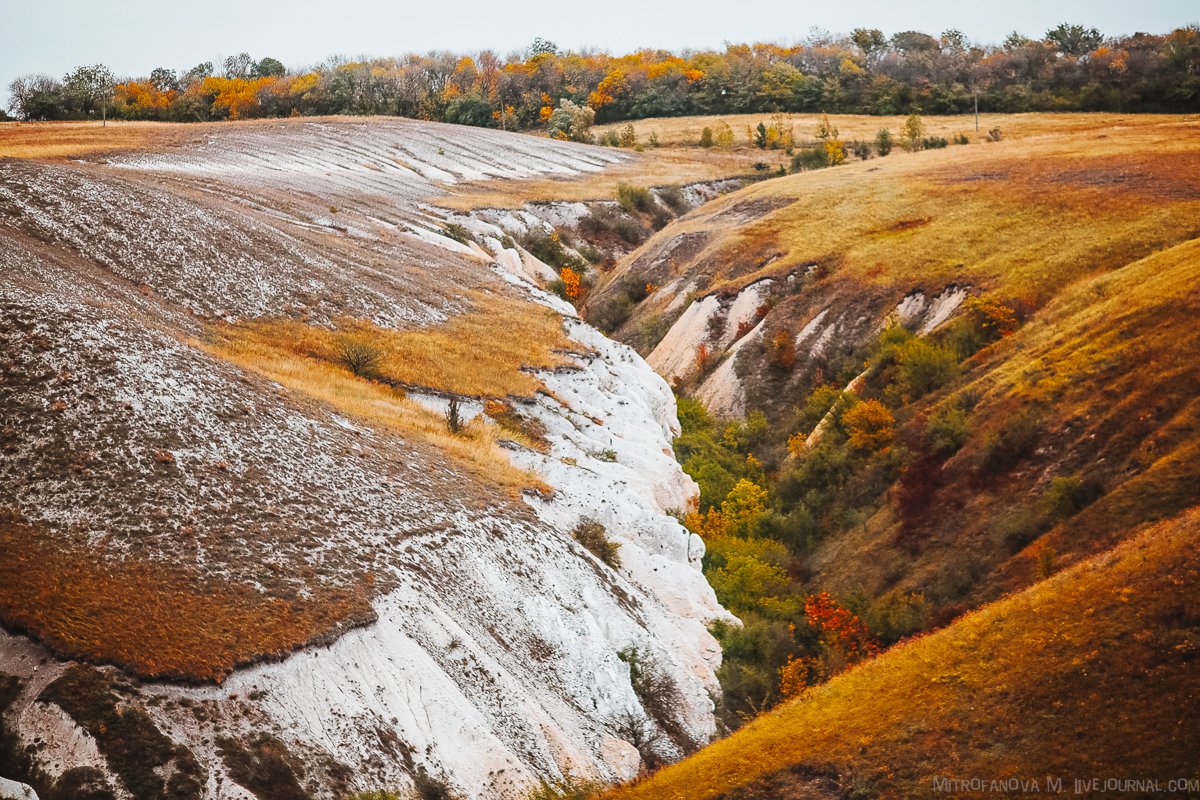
976	108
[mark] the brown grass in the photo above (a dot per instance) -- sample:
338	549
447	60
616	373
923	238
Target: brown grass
156	620
1092	673
486	353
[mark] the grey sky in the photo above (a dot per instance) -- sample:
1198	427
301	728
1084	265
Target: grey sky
134	36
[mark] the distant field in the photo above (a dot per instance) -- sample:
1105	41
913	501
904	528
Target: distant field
1089	673
685	131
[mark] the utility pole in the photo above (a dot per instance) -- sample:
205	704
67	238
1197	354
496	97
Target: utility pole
976	88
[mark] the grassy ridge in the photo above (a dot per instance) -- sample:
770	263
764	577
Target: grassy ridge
1094	672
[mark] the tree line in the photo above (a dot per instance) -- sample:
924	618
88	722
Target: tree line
1071	68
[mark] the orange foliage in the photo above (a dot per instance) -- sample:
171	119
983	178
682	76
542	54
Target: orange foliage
840	629
870	425
572	284
157	620
703	358
140	98
238	96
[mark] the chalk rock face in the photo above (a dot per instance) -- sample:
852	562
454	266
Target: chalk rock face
501	649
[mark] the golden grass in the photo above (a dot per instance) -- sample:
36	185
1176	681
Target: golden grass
1091	673
1023	216
487	352
685	131
74	139
155	620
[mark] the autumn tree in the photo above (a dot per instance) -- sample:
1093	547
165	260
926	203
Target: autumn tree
869	425
912	134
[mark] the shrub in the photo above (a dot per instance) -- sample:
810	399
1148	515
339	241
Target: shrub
550	249
457	232
724	135
995	135
860	149
628	137
883	142
946	431
924	367
658	694
808	158
634	198
1067	495
961	138
572	122
454	420
870	426
653	141
912	133
934	142
706	137
781	351
610	138
673	198
594	537
1016	438
357	355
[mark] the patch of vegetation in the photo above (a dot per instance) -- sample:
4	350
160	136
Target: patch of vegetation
131	743
262	764
1109	645
358	355
593	536
457	232
635	198
552	250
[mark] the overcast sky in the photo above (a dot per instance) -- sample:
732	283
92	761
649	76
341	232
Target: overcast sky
134	36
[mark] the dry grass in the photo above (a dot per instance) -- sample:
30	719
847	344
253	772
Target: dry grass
1092	673
156	620
685	131
486	353
75	139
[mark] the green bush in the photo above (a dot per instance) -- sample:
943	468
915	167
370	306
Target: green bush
883	142
706	137
934	142
946	431
1067	495
1016	438
457	232
923	367
673	198
816	157
860	149
634	198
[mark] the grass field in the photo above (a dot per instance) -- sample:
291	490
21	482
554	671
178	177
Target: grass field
1091	673
685	131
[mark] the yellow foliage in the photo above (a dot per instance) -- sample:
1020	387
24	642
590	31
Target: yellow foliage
870	425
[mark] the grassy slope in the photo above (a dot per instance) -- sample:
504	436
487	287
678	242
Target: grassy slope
1095	672
1109	367
1023	216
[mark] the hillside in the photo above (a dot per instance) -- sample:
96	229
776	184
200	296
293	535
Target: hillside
1089	675
243	533
1087	234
